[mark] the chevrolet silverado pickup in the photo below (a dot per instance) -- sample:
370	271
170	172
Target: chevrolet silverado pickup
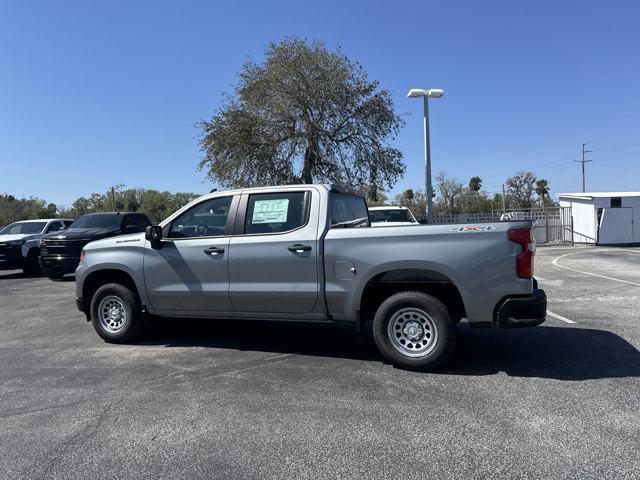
308	253
60	252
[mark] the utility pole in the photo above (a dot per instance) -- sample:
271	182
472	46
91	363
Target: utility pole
582	162
113	199
504	204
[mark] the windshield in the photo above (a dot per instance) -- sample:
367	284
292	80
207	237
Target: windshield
23	228
97	220
391	215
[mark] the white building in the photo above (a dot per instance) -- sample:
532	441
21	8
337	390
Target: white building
604	218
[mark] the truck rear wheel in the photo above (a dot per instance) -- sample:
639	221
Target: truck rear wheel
414	330
115	313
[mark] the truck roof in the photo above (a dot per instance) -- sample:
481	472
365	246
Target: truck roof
389	207
32	220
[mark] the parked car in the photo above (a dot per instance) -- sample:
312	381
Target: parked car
60	252
19	242
391	216
306	253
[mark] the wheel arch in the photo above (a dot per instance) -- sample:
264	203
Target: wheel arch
94	280
430	281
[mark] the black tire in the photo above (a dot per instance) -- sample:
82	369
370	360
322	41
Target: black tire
124	300
414	316
31	265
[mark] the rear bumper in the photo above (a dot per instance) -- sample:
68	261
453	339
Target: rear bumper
527	311
58	265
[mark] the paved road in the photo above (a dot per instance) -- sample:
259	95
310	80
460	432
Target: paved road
252	400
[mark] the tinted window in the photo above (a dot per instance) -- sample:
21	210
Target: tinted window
142	221
348	211
24	228
395	215
98	220
128	221
207	219
54	227
67	223
274	212
616	202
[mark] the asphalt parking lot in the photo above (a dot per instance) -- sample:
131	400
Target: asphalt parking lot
251	400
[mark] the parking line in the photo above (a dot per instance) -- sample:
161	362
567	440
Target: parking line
560	317
555	262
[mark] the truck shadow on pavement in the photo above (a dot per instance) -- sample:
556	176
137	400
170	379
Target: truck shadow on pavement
559	353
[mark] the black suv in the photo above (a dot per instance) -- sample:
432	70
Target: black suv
60	252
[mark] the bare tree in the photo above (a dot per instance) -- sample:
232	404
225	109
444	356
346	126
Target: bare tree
449	189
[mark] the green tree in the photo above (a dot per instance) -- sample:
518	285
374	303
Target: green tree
305	114
475	184
521	187
414	200
542	190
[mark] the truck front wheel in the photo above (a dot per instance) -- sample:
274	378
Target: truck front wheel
414	330
115	313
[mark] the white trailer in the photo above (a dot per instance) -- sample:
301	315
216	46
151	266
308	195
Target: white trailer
604	218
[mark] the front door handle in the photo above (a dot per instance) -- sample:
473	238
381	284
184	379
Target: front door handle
299	248
213	250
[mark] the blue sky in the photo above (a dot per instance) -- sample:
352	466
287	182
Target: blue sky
99	93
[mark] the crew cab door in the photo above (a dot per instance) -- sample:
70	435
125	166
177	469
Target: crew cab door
190	272
273	255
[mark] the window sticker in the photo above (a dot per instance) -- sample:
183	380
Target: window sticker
270	211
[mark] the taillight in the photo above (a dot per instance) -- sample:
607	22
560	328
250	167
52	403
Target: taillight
524	260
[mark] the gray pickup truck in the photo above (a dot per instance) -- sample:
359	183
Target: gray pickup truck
308	253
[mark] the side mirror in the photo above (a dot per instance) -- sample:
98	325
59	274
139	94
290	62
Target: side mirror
153	233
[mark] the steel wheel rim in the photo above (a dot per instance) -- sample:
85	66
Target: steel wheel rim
112	314
412	332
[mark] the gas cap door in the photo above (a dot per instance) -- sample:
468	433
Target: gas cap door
344	270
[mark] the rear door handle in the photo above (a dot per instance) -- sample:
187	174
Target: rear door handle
299	248
213	250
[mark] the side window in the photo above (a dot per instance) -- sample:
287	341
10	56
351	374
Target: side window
348	211
616	202
54	227
142	221
275	212
207	219
67	223
128	221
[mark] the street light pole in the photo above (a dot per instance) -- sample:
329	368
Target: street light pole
425	94
427	161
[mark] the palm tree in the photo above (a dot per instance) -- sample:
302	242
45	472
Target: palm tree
475	184
542	190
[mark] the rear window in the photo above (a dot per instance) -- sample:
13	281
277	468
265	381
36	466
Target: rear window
348	211
395	215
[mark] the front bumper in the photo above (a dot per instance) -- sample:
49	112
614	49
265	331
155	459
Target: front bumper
528	311
58	265
10	257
